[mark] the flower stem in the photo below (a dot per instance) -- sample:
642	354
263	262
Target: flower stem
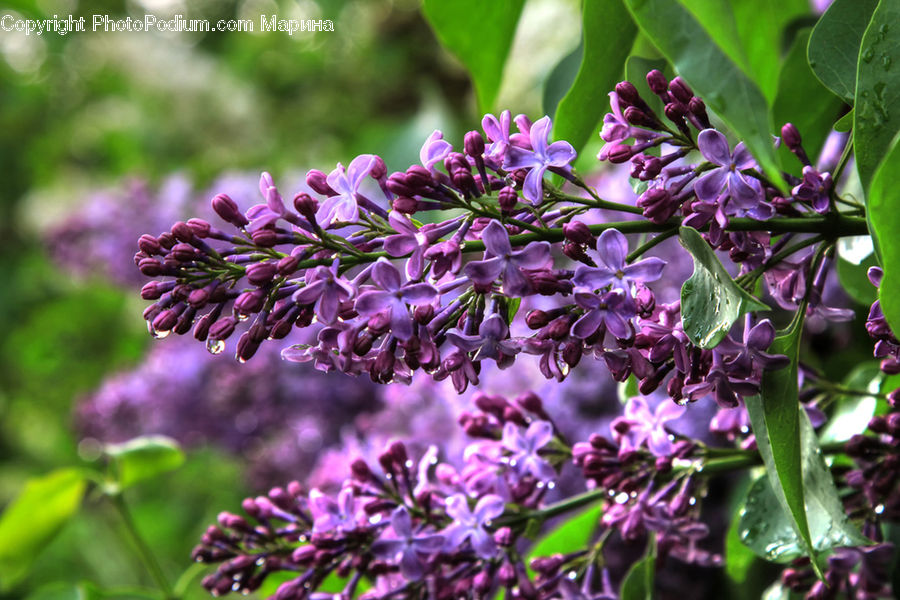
143	549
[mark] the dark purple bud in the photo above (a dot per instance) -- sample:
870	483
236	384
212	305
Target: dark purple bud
571	354
535	319
222	328
246	347
360	470
506	574
559	328
182	232
507	198
619	153
398	451
531	402
264	238
405	205
227	209
261	273
165	320
379	169
418	178
578	232
152	290
681	90
423	314
454	162
382	369
473	143
200	227
150	267
398	185
637	117
547	565
306	205
287	265
250	302
575	252
504	537
627	93
318	181
149	244
198	298
675	111
698	109
482	582
489	403
657	82
791	137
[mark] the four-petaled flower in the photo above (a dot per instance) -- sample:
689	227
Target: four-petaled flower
492	341
470	525
329	515
714	148
407	547
344	208
500	260
614	309
524	446
327	289
434	150
543	156
395	298
613	249
814	189
641	425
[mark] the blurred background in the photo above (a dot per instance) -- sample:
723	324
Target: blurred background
104	136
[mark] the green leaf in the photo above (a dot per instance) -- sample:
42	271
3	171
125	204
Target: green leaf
628	389
561	79
608	35
574	532
834	45
738	557
884	222
845	123
877	90
710	300
480	35
714	76
34	518
796	85
853	413
855	280
638	582
769	531
143	458
775	417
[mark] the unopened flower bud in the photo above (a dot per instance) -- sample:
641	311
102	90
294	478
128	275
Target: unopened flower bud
182	232
261	273
149	244
628	94
681	90
227	209
318	181
507	197
578	232
791	137
657	82
306	205
473	143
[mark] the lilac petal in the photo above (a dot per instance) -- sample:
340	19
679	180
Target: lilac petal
265	182
494	328
489	507
515	283
346	211
613	248
359	168
496	239
588	300
274	201
418	293
372	302
434	150
520	158
560	154
588	324
485	272
637	410
401	323
401	523
411	566
658	442
593	277
742	158
416	263
710	184
328	305
617	325
649	269
387	549
539	434
714	147
401	223
467	343
539	133
540	468
669	411
497	130
386	275
310	293
483	543
533	256
512	439
429	544
337	180
533	187
400	244
457	507
762	335
739	189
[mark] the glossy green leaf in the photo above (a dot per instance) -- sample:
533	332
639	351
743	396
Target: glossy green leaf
638	582
884	222
608	35
845	123
480	35
876	120
143	458
775	418
796	85
628	389
715	77
574	532
834	45
710	300
769	531
738	557
855	280
34	518
853	412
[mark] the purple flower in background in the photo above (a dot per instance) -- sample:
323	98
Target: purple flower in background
524	446
329	515
715	149
434	150
344	208
394	299
500	260
613	309
640	425
543	156
470	525
407	548
414	241
492	341
613	250
814	189
327	290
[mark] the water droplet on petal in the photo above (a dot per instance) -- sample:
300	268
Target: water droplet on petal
215	346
